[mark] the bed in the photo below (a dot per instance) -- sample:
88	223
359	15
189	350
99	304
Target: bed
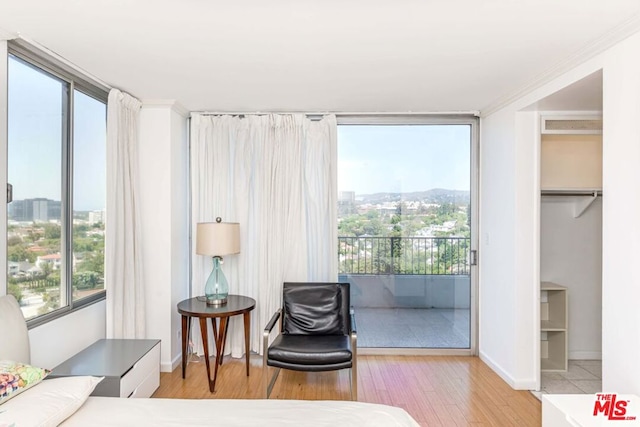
67	401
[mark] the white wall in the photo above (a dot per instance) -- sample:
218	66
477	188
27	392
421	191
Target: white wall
164	211
180	202
497	245
621	227
527	238
56	341
571	256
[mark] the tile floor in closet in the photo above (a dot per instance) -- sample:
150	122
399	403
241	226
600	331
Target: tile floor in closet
583	377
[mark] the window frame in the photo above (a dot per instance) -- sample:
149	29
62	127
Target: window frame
57	68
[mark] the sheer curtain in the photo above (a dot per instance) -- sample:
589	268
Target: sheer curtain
123	260
276	176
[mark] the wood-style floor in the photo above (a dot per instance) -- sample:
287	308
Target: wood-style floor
435	390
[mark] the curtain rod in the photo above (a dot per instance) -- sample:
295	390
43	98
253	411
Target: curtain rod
342	114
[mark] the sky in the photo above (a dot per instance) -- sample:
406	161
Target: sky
403	158
35	139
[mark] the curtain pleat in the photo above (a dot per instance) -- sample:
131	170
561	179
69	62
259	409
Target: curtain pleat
123	257
276	176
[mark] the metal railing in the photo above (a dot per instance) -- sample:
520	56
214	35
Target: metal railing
404	255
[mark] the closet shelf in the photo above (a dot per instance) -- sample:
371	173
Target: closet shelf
553	327
585	197
548	325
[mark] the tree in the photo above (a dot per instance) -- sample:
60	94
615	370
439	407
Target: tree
86	280
14	240
373	227
19	253
46	268
93	263
34	234
16	291
51	231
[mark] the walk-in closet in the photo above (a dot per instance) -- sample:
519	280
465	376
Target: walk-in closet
571	253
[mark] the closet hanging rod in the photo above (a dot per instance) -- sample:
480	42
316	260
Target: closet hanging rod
571	193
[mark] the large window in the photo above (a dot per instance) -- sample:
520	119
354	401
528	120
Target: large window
57	173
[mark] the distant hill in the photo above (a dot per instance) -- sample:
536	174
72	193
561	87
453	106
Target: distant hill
435	195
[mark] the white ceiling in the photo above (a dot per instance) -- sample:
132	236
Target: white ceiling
583	95
318	55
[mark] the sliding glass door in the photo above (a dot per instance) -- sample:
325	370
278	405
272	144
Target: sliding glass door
406	231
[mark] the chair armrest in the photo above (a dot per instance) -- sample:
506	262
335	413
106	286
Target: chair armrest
352	313
272	322
265	338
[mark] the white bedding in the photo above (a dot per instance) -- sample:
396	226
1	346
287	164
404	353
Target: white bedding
108	411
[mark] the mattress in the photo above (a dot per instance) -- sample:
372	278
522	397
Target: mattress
107	411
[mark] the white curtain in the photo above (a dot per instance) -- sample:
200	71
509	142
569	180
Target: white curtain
123	260
276	176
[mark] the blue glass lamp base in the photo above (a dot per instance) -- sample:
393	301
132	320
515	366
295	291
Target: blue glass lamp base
216	289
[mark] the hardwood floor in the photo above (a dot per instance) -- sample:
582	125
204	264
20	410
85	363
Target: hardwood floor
435	390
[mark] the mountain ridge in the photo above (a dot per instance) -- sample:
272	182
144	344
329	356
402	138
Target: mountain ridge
434	195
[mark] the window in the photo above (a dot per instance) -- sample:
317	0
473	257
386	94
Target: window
57	172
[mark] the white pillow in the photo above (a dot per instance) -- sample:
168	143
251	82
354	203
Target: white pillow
48	403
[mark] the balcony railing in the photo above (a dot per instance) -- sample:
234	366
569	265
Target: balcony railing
404	255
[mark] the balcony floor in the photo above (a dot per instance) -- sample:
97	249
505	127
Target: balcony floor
412	327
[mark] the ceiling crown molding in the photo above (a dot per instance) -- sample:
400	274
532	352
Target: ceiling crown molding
166	103
7	35
594	48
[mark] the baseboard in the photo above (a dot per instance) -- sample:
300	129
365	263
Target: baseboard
585	355
516	384
170	367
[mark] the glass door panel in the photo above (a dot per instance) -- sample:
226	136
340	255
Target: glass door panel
405	232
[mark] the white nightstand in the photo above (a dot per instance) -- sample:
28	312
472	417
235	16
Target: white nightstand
131	368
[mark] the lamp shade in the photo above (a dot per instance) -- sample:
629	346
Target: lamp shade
217	238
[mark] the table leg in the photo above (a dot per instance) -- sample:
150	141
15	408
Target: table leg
205	343
224	340
185	340
247	324
214	326
223	325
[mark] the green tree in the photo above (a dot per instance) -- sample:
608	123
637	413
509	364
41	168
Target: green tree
14	240
19	253
46	269
93	262
51	231
51	302
86	280
373	227
15	290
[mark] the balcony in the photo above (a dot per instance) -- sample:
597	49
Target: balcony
411	292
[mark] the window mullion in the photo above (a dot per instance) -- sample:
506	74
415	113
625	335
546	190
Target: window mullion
66	235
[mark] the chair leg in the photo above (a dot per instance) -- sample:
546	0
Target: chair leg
353	379
354	366
268	384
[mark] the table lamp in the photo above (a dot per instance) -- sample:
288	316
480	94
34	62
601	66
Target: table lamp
216	239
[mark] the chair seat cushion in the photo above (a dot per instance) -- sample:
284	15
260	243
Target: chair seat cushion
309	351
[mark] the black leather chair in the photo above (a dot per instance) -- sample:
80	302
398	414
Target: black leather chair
317	332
